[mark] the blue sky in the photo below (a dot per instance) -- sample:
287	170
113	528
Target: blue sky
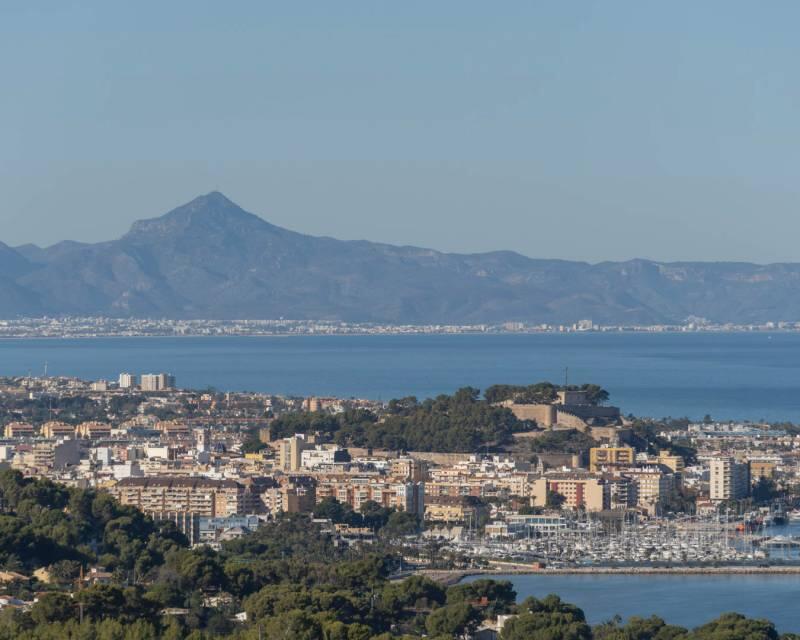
581	130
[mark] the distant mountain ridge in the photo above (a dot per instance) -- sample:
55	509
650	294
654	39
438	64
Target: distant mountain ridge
211	259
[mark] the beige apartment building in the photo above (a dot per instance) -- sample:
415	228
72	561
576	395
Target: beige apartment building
455	488
93	430
654	483
290	452
409	469
761	469
157	381
173	428
39	459
355	491
675	463
580	490
450	512
728	479
56	429
609	456
43	456
18	430
203	496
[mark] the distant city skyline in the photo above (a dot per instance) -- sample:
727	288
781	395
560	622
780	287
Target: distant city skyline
588	131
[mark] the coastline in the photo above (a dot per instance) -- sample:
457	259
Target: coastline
396	334
454	576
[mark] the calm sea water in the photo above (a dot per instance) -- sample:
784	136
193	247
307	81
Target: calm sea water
736	376
687	601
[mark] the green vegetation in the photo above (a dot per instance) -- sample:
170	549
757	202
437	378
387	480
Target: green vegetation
646	431
652	628
390	522
542	393
252	444
563	441
729	626
547	619
74	409
496	597
539	393
462	422
764	491
289	578
45	524
554	500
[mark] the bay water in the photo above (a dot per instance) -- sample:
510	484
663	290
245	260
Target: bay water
751	376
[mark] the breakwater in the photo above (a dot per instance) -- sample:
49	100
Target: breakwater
454	576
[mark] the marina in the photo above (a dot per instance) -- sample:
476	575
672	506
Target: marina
686	542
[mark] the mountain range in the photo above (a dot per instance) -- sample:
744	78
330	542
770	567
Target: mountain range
211	259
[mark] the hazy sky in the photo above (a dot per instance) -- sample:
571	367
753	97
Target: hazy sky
585	130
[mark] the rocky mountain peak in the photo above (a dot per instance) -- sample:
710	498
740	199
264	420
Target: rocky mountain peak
210	212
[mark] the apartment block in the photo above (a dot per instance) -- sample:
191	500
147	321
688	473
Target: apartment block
93	430
355	491
728	479
127	380
580	490
609	456
56	429
157	381
290	452
675	463
203	496
18	430
409	469
654	484
322	456
761	469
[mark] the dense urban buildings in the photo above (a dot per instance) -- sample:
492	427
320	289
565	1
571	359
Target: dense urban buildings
172	442
219	465
571	483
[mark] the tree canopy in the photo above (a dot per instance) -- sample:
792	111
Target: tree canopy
542	393
462	422
547	619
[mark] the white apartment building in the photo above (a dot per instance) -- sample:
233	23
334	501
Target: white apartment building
322	456
127	380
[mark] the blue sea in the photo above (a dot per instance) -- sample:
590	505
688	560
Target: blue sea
685	600
727	375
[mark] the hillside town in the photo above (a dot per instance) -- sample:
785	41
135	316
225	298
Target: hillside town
540	478
572	475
